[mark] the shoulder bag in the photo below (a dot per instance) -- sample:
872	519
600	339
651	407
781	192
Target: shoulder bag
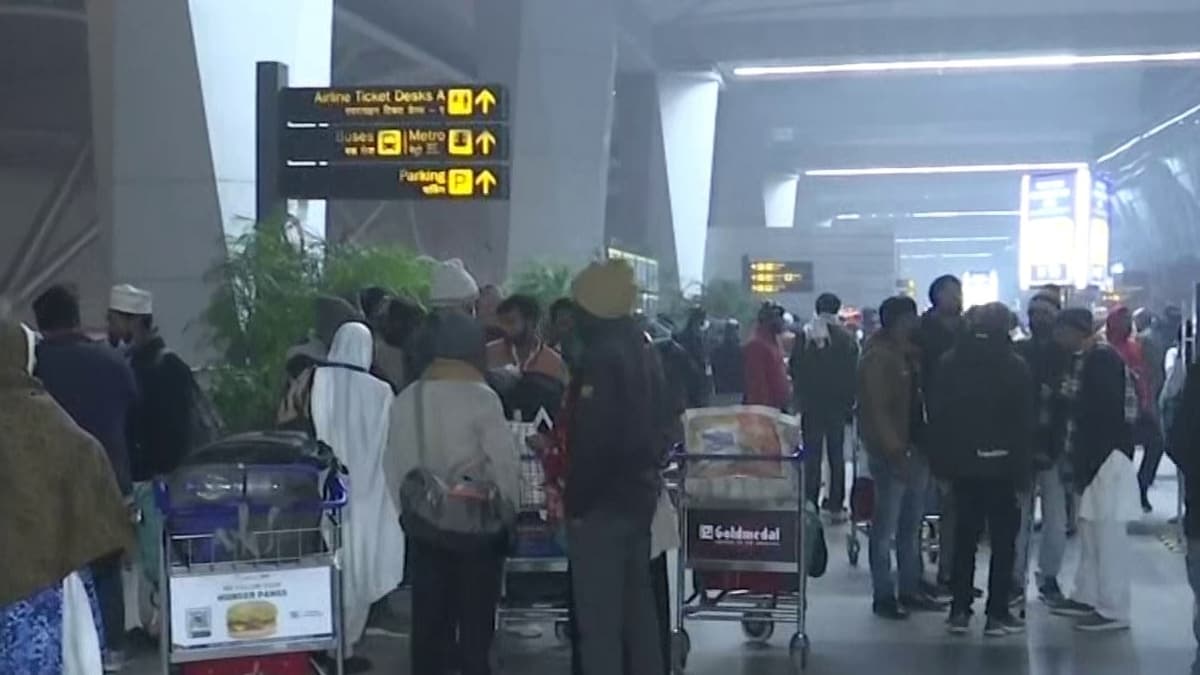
463	511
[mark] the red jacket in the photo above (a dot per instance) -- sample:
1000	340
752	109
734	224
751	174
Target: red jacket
765	374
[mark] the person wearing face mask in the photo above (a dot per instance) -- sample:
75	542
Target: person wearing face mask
823	364
1047	364
691	338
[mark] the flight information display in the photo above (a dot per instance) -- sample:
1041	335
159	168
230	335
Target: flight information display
393	143
769	277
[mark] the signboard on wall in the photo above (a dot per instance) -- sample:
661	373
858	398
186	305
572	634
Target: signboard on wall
770	277
394	142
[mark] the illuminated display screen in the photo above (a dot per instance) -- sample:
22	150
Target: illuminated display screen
1047	229
766	277
382	142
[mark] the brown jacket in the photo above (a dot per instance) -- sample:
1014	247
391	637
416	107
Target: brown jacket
61	506
885	389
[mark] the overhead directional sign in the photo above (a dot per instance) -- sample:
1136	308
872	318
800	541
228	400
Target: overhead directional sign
382	104
395	142
415	143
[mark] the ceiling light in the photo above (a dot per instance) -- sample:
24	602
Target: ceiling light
944	256
963	214
1153	131
1043	61
949	169
925	215
949	240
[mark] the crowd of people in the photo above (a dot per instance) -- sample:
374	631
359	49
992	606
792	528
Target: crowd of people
961	413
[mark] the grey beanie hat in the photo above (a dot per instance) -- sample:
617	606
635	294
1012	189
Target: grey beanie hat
457	336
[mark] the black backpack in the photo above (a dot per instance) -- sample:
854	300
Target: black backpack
205	423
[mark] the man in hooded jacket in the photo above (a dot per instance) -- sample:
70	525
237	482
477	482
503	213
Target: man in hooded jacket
981	430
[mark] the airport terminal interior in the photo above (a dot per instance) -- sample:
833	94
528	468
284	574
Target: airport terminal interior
743	157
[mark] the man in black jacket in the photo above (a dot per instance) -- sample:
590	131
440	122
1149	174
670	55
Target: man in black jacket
941	328
981	430
824	365
1047	362
160	432
615	442
1101	407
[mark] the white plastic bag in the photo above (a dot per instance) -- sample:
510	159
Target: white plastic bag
80	637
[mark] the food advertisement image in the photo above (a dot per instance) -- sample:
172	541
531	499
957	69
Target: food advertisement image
267	605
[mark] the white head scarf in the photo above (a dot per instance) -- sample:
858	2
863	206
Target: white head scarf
351	413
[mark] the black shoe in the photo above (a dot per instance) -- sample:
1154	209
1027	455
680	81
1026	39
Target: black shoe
352	665
889	610
921	603
959	623
1147	507
1000	626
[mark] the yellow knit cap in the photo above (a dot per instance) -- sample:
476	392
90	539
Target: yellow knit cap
606	289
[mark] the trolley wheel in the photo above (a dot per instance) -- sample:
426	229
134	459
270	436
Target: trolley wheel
852	549
758	631
798	651
562	631
681	647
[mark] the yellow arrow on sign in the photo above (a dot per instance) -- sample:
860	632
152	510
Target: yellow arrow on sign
486	142
485	99
485	180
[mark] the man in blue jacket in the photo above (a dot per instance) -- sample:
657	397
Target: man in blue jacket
95	385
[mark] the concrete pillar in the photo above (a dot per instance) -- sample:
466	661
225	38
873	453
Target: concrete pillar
688	105
158	207
739	165
779	200
558	60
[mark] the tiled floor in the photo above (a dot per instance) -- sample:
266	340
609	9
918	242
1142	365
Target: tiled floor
847	640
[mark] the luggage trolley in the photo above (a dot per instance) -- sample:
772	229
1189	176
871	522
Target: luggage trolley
764	541
235	585
535	584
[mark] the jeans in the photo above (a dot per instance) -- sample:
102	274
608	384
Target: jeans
947	528
1193	574
899	510
825	435
1049	485
454	597
611	586
978	502
110	594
